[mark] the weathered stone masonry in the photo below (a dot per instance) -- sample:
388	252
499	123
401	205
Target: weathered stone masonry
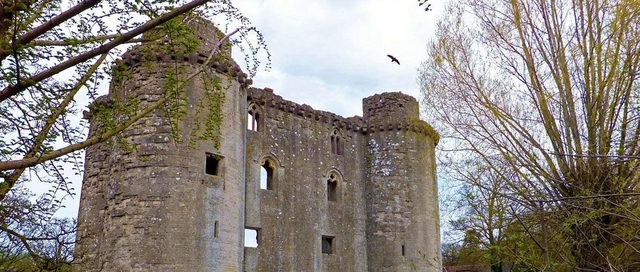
343	194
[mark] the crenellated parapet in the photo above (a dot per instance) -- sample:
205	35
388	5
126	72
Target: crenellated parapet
156	51
390	106
315	190
395	111
383	112
266	98
138	55
417	126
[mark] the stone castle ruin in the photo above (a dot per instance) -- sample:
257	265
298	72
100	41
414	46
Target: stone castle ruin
321	192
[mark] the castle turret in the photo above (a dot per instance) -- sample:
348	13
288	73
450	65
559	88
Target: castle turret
169	195
401	190
313	190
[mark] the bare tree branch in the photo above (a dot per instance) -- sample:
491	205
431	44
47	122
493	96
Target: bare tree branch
16	88
28	162
36	32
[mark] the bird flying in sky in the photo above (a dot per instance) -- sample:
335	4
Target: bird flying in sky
393	59
428	8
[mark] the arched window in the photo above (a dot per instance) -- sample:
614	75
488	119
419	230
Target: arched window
332	187
336	143
254	123
266	175
270	171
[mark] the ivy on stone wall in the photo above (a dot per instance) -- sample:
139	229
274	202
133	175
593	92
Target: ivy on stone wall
213	101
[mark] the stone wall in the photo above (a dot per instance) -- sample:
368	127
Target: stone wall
343	194
152	206
295	214
385	217
401	190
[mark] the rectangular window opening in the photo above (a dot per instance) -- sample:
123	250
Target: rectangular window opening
251	237
327	244
215	229
212	164
403	252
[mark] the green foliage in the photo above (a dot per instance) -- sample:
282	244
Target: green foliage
429	130
22	262
545	93
214	97
57	54
31	239
176	103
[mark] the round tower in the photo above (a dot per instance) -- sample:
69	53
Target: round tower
168	195
401	189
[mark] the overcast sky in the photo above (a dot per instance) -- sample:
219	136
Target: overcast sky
330	54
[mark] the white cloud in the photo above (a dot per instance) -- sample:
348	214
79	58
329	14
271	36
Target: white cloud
314	92
340	48
330	54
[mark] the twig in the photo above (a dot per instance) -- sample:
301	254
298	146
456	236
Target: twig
12	90
526	229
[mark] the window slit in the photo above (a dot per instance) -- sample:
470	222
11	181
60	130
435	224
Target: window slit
266	176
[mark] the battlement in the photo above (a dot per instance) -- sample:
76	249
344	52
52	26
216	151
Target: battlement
383	112
135	56
266	98
207	34
386	107
345	193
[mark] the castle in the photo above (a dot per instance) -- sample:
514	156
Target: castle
319	191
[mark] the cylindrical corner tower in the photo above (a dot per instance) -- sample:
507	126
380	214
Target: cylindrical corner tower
169	194
401	189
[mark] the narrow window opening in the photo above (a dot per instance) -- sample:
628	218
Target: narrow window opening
333	144
253	118
331	190
251	237
215	229
256	122
327	244
212	163
250	121
332	187
266	176
336	143
403	252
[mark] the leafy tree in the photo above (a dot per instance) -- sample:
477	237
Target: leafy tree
550	88
486	216
32	240
54	56
451	253
499	232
